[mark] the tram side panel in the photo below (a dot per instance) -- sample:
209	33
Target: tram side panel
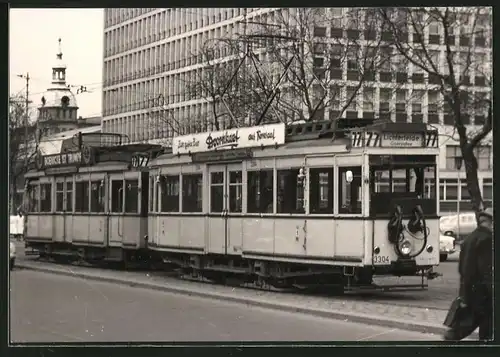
80	233
59	227
192	232
349	240
336	240
258	235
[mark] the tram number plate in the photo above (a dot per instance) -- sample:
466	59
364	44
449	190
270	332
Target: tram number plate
380	259
140	160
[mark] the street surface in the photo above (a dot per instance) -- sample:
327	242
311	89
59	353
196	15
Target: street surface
439	295
53	308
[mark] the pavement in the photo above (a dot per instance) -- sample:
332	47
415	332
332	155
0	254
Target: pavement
420	310
56	308
394	313
439	295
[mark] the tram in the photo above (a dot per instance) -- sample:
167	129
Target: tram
301	205
90	201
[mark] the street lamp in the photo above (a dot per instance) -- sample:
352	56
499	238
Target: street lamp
458	165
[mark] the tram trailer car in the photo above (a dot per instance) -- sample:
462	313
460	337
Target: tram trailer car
90	205
303	205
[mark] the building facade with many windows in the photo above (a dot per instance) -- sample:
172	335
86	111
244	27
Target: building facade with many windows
151	53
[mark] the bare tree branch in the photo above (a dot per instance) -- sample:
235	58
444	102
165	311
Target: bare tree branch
455	92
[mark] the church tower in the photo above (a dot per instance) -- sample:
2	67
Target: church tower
58	110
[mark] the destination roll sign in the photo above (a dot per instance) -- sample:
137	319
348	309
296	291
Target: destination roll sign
63	159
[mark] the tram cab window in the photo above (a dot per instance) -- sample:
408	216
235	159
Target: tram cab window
216	192
260	191
97	196
131	196
45	197
33	198
407	179
321	190
350	190
82	196
117	196
290	192
192	193
69	195
169	193
59	196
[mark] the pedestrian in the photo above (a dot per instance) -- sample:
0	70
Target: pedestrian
474	306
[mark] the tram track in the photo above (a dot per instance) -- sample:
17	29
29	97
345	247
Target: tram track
437	297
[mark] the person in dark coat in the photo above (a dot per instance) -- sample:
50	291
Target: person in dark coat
476	267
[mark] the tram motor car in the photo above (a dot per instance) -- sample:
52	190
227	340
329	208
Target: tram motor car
301	205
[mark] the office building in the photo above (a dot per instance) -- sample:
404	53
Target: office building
151	53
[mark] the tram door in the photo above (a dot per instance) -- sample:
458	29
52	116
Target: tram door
225	209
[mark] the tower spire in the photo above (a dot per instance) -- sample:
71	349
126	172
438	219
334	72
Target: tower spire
59	54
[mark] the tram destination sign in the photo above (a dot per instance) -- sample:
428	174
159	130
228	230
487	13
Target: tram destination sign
238	138
402	140
63	159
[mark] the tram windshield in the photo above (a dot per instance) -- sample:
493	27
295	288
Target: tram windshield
407	180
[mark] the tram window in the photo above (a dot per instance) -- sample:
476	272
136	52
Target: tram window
235	191
117	196
399	181
192	193
59	196
216	192
82	196
290	192
321	190
429	184
131	196
170	194
350	192
96	196
69	196
45	197
260	191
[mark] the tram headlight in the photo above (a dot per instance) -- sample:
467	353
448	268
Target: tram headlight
405	247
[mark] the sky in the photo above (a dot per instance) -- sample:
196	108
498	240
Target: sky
33	46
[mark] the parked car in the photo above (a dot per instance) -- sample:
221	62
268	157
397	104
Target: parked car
12	255
446	246
448	225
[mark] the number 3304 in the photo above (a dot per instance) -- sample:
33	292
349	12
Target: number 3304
377	259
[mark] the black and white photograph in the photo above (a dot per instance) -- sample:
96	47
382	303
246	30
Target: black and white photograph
241	175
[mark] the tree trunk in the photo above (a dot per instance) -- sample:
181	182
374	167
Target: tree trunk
471	168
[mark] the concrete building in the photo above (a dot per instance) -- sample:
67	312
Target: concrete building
150	53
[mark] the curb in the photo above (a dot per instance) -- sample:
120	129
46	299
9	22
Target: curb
336	315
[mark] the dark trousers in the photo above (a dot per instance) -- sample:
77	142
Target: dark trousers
482	319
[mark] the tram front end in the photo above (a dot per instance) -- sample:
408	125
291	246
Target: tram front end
403	170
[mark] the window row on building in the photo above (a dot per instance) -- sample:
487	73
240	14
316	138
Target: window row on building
483	153
162	24
149	119
330	61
